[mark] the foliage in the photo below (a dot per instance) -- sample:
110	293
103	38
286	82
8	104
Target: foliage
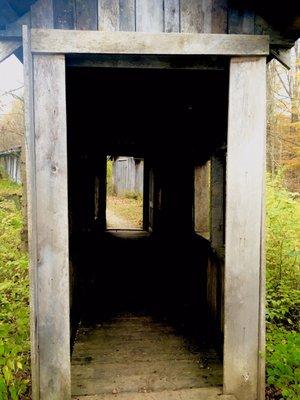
283	294
283	251
283	362
14	316
109	177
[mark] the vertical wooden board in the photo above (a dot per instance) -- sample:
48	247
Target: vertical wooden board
127	15
31	209
172	15
245	174
108	14
202	200
219	16
64	14
217	201
241	21
42	14
52	226
86	14
196	16
149	15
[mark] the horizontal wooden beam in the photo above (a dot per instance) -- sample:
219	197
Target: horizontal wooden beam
7	47
71	41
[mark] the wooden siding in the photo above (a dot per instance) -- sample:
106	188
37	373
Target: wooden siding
128	175
10	161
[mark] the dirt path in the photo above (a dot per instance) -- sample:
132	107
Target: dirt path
115	221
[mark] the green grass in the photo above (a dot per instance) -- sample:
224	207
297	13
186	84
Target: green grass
14	295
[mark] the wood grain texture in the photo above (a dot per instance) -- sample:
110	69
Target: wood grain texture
245	174
86	14
172	15
196	16
31	208
149	16
108	15
42	14
64	14
219	16
64	41
127	15
52	226
184	394
217	201
140	354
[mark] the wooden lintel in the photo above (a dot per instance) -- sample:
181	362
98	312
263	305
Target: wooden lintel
70	41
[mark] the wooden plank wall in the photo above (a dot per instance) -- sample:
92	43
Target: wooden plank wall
202	16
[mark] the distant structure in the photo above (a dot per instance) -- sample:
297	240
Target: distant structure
10	161
128	175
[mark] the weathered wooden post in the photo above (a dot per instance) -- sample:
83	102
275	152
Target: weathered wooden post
244	265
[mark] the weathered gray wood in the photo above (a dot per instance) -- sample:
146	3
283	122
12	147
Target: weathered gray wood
31	209
184	394
138	353
52	226
86	14
42	14
7	47
64	41
64	14
196	16
127	15
172	15
219	16
108	15
217	201
149	16
245	174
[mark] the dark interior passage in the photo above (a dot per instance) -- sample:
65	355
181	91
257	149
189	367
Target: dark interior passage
173	120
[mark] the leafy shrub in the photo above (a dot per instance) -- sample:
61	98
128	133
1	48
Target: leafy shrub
283	294
14	295
283	362
283	273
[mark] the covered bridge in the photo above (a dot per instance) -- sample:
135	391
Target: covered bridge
178	310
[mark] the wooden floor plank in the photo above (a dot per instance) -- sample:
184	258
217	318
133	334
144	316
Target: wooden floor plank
136	355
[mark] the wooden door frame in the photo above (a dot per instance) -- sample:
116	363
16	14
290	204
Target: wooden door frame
45	106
